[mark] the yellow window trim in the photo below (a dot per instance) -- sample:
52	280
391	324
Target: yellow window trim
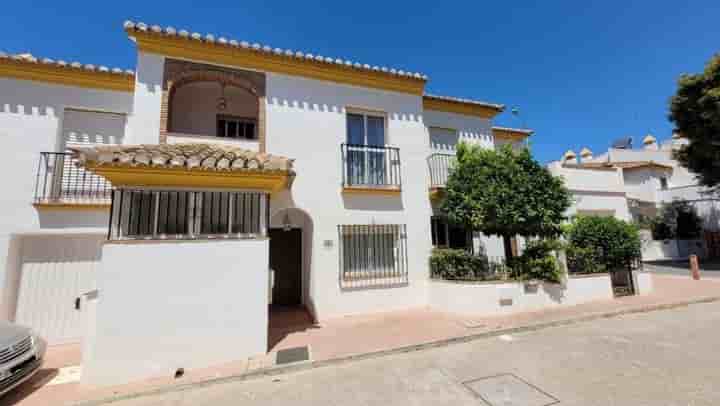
179	177
39	72
468	109
60	205
369	190
250	59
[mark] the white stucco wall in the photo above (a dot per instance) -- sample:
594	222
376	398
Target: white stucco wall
486	299
643	282
599	202
594	190
168	305
469	129
31	121
144	123
644	183
306	121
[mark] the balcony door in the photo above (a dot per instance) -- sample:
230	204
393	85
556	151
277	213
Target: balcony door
366	153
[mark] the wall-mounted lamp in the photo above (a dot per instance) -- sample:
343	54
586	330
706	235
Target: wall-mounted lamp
286	224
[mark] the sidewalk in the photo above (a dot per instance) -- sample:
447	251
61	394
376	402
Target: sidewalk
343	339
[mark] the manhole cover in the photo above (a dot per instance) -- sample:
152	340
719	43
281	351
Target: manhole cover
290	355
509	390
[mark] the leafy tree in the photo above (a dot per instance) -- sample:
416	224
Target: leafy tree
695	111
505	193
678	219
601	244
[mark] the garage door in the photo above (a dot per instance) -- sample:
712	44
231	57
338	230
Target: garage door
55	270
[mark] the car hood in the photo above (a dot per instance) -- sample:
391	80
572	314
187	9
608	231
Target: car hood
12	333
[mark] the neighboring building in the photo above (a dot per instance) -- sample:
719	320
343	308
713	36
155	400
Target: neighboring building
633	184
327	171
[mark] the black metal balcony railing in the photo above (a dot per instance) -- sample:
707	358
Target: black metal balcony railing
371	166
440	166
59	180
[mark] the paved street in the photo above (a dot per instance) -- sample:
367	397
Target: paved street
660	358
709	269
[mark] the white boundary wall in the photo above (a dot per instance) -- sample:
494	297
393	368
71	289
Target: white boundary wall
164	305
498	298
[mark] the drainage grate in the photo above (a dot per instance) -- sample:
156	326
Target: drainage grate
509	390
291	355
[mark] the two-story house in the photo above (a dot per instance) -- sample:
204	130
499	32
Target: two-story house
143	208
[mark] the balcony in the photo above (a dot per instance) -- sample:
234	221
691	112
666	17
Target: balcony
440	165
61	183
371	169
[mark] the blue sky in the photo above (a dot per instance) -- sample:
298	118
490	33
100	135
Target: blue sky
582	73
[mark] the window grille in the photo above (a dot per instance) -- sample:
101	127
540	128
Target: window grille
161	214
373	255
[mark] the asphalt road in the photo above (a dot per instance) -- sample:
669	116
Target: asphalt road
662	358
707	269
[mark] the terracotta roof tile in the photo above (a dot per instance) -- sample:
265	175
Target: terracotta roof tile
31	59
212	39
203	157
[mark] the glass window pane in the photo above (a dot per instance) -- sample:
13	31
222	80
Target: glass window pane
232	129
250	131
355	129
220	128
376	131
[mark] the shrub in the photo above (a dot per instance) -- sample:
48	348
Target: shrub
456	264
537	262
606	242
583	260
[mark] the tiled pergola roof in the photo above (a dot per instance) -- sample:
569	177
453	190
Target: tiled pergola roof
191	157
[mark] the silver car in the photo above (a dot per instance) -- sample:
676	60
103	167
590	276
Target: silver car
21	355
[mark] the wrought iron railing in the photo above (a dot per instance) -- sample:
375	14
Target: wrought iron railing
440	165
60	180
371	166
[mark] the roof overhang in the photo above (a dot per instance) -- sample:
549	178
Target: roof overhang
514	134
197	166
196	48
74	74
182	178
461	106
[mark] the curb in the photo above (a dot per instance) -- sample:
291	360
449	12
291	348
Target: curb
307	365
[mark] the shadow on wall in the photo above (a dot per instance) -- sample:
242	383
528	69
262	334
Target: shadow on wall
327	106
372	202
49	218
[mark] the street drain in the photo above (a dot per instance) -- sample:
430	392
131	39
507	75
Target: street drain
291	355
509	390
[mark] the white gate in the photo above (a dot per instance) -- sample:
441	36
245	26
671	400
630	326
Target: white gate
55	271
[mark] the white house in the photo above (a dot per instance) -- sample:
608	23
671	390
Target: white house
632	184
143	209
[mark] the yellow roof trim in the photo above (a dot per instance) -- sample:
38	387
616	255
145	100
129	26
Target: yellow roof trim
18	69
511	133
121	176
458	107
250	59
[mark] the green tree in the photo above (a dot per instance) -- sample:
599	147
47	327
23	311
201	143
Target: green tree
601	244
678	219
504	193
695	111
